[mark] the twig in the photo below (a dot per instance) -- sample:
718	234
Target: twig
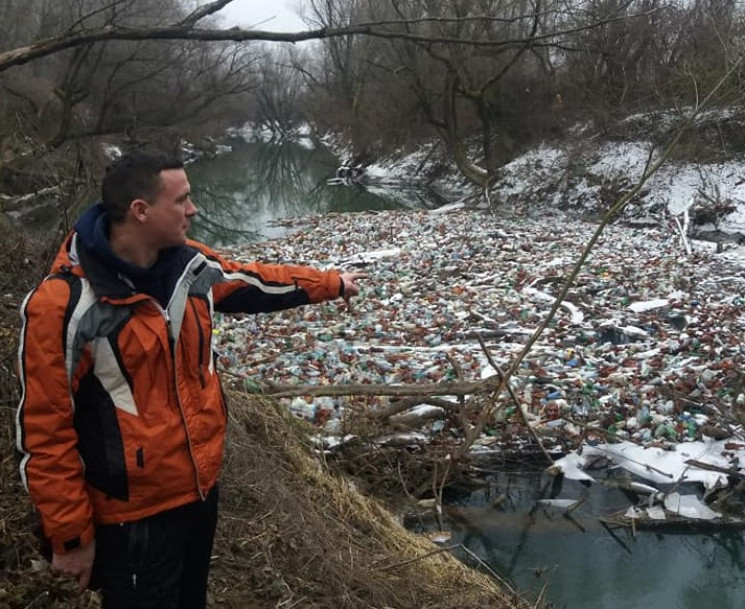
37	600
438	499
640	463
614	536
456	367
576	523
716	468
295	603
441	490
578	504
462	405
203	11
524	416
539	600
417	558
486	566
402	481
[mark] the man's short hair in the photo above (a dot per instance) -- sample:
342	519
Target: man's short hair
135	175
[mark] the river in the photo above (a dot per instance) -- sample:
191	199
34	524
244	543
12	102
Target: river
243	193
584	565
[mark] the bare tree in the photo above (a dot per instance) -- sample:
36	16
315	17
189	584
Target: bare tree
280	89
136	90
496	71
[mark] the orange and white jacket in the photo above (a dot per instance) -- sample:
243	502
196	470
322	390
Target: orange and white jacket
122	415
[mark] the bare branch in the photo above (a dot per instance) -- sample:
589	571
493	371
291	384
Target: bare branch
204	11
73	26
434	389
185	31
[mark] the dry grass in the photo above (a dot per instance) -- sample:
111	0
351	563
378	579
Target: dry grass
294	534
291	533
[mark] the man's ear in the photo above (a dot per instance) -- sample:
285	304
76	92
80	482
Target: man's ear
139	209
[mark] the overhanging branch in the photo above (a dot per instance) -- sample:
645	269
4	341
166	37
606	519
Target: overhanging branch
204	11
185	31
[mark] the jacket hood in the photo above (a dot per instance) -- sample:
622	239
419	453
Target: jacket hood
93	228
93	231
88	246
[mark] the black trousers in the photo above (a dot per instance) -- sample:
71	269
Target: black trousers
159	562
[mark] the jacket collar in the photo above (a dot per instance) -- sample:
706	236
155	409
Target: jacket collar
106	281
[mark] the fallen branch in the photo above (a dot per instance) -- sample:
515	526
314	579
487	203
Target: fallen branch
400	406
716	468
414	420
359	389
518	405
416	558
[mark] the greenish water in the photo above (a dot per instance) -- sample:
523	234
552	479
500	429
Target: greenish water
585	565
241	194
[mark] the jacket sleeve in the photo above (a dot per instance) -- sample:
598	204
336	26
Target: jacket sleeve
51	468
255	287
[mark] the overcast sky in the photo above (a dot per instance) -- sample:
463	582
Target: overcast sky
272	15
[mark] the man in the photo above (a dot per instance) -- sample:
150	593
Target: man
122	420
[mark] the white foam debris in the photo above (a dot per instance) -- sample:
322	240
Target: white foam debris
689	506
655	464
649	305
656	512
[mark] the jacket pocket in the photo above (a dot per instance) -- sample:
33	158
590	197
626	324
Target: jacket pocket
100	442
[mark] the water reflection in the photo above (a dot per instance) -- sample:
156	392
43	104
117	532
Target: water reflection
586	564
240	194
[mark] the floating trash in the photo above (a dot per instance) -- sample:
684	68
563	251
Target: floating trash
646	347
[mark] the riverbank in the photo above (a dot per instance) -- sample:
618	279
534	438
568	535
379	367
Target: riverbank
291	531
645	349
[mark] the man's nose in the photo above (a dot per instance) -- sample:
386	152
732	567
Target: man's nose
191	209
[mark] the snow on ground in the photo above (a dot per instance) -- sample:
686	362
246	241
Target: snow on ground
575	177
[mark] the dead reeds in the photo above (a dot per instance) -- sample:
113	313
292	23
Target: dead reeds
295	534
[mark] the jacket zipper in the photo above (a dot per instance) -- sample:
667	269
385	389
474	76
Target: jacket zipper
201	344
174	360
